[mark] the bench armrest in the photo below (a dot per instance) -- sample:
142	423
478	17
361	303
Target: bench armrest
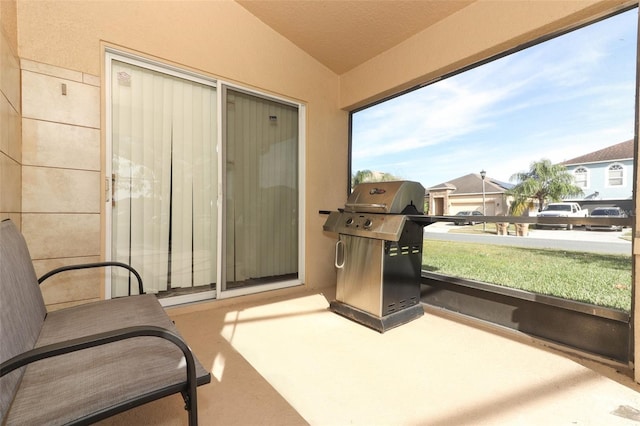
105	338
95	265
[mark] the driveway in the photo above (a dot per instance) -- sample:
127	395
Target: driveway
608	242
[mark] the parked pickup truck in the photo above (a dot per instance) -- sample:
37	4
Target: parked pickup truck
562	210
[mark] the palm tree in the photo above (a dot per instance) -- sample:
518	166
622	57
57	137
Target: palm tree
544	181
361	176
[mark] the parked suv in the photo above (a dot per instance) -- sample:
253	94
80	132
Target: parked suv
606	212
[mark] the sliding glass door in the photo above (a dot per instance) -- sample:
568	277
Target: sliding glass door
204	193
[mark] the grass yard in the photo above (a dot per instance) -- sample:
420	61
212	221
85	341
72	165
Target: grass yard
599	279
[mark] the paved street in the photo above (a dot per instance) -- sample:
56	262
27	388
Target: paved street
574	240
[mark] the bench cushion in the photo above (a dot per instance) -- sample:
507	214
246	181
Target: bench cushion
68	387
22	309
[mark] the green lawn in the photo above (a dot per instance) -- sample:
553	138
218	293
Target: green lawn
599	279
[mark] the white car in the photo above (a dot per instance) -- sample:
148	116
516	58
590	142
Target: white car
562	210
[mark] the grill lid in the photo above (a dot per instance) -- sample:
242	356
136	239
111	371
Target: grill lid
397	197
378	210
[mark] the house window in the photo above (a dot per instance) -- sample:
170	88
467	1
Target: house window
581	175
615	175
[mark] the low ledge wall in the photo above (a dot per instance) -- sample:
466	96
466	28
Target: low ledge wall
592	329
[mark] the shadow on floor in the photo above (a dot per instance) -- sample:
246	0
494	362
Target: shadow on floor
290	361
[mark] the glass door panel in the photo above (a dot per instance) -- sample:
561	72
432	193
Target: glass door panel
261	190
164	176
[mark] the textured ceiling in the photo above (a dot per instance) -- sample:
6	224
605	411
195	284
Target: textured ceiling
342	34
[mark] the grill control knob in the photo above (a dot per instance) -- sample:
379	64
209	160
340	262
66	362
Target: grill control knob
368	223
349	221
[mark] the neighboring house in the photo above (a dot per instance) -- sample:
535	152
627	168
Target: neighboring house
606	174
466	193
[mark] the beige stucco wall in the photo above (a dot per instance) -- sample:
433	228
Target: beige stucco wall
8	22
62	42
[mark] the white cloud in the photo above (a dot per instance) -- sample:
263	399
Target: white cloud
557	100
449	111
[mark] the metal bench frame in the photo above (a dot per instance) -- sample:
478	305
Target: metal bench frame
195	374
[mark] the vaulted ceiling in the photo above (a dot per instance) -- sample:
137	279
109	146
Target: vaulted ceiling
342	34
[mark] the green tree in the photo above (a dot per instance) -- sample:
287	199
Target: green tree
362	176
543	182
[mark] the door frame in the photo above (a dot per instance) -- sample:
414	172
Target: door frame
110	54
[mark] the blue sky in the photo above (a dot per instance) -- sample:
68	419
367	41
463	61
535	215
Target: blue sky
557	100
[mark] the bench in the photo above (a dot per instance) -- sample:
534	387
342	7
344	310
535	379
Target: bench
85	363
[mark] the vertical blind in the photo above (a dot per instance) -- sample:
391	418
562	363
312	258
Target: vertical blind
261	189
164	178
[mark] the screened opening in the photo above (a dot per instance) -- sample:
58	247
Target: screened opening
473	138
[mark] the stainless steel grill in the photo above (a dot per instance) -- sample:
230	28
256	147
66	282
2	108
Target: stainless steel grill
379	254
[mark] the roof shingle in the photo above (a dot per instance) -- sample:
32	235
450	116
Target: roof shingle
472	184
620	151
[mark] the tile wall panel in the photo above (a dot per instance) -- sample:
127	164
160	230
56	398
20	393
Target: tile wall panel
43	99
91	79
52	190
60	145
84	284
15	217
5	112
10	185
51	236
51	70
9	130
61	186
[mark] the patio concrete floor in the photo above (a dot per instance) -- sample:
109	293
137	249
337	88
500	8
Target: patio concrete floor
288	360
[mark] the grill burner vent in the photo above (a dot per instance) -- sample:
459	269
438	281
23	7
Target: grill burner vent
401	304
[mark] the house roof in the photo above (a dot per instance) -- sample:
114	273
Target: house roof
472	184
620	151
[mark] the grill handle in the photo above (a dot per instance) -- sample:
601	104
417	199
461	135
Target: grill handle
358	206
339	250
